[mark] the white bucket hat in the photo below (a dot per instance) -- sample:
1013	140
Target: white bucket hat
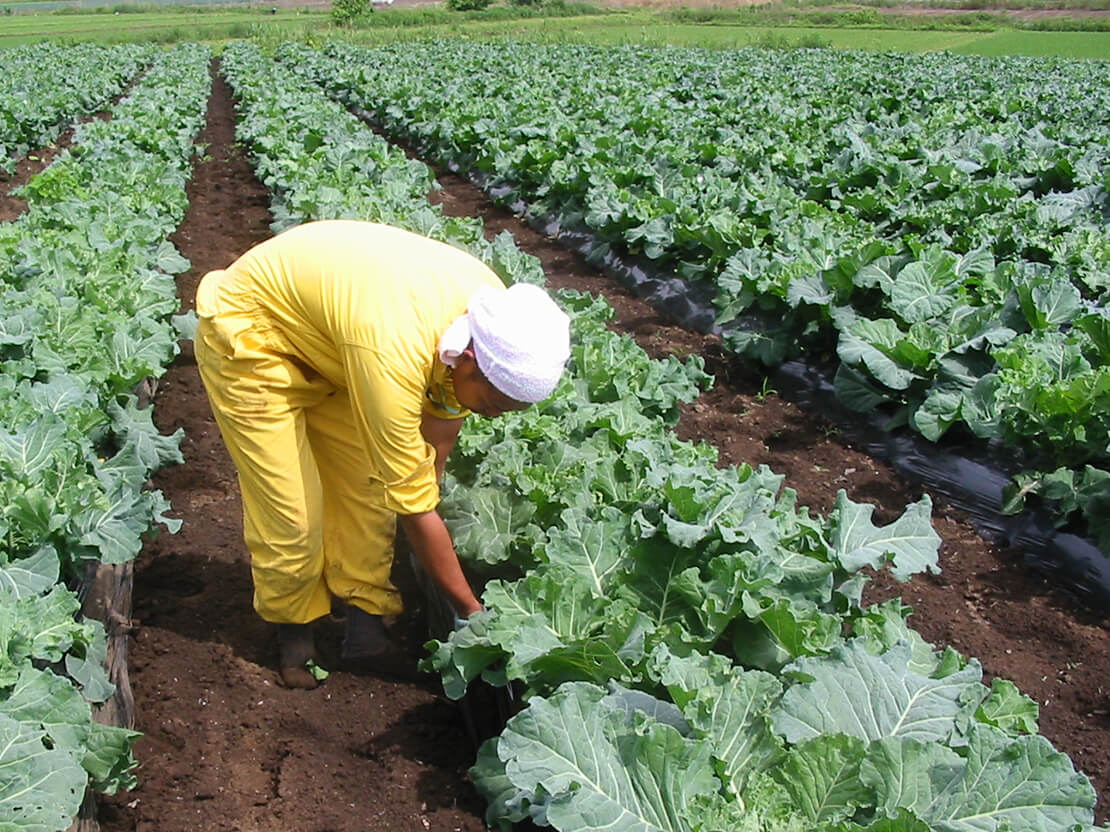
521	340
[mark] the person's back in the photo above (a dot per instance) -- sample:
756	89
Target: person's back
338	284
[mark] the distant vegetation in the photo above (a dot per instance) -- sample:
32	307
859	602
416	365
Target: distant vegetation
971	15
990	27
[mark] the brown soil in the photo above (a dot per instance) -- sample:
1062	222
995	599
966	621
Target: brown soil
226	748
12	206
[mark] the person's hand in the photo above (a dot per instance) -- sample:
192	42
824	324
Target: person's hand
462	620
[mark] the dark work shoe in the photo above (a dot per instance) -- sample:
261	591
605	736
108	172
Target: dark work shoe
363	633
298	678
296	648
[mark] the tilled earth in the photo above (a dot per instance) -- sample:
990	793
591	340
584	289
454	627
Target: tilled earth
225	748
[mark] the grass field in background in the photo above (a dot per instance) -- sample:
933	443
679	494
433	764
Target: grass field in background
648	28
629	27
643	29
164	26
1040	44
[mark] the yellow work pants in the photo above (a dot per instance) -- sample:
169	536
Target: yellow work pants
310	525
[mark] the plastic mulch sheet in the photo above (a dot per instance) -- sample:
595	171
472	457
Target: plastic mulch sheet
968	478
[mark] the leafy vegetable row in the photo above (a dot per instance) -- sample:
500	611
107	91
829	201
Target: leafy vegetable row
86	296
938	223
693	648
692	645
320	162
45	87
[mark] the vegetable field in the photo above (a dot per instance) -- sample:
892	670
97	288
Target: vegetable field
942	231
713	613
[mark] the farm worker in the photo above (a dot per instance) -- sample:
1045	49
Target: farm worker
340	358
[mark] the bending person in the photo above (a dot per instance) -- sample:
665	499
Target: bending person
340	358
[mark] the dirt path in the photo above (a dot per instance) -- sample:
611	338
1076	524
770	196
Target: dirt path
226	748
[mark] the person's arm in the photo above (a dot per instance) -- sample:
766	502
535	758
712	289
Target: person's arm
400	441
432	544
441	435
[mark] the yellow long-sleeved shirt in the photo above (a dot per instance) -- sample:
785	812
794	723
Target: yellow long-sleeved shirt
364	306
